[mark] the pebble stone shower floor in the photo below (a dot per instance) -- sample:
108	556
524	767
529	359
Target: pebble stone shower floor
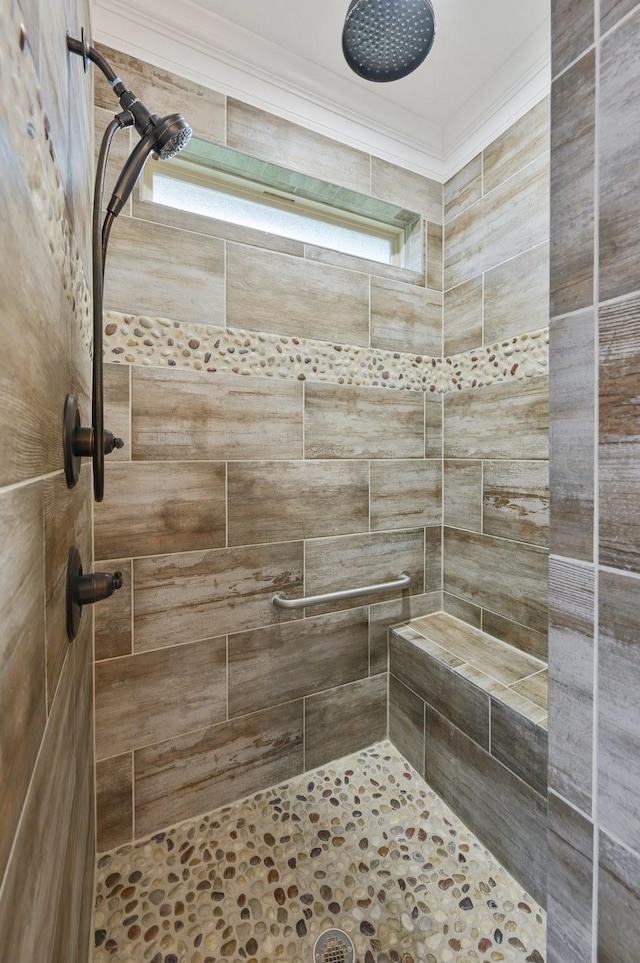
362	844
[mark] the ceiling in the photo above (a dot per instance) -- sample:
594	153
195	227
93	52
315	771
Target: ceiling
489	62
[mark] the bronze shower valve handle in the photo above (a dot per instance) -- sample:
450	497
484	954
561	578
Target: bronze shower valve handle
85	589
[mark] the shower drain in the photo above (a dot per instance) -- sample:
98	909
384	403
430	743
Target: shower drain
333	946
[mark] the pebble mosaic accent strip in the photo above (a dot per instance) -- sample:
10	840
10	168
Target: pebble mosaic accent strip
362	845
160	342
27	127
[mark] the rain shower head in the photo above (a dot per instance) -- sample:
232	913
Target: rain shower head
386	40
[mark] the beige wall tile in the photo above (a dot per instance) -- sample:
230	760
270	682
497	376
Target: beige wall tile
461	609
463	494
164	93
199	595
148	697
516	295
406	318
286	662
286	295
433	680
516	500
33	884
117	408
156	507
406	189
405	494
114	802
572	405
463	316
415	249
138	281
522	637
509	420
54	78
332	564
435	256
505	813
351	422
22	651
412	273
618	772
571	680
611	11
571	31
406	723
463	189
79	182
343	720
511	219
618	880
67	522
203	224
279	141
433	558
432	426
619	434
31	398
510	578
382	615
518	146
73	922
113	616
81	374
224	417
196	773
272	501
535	688
570	875
491	656
573	191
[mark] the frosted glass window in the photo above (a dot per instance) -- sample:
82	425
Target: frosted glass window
273	219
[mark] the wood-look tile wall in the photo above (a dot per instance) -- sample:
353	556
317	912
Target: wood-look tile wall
229	489
496	238
47	834
495	447
483	755
594	664
222	273
190	652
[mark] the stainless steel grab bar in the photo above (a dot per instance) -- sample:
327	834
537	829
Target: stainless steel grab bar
280	601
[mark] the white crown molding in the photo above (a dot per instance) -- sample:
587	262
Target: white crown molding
175	36
517	86
190	40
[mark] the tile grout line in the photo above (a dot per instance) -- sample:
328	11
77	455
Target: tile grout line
596	495
16	486
226	672
133	795
130	412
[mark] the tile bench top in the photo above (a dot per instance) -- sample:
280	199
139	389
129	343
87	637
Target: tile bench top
504	672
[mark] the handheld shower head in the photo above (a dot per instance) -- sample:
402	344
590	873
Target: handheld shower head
172	133
386	40
165	136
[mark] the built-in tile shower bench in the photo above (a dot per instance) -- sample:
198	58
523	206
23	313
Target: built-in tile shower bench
470	713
